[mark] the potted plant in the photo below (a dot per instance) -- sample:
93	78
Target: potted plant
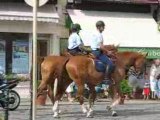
125	89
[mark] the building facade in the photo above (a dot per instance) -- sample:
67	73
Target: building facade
16	33
53	20
129	23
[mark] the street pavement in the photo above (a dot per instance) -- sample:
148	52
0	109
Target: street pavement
131	110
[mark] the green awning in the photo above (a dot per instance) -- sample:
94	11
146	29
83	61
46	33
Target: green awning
152	52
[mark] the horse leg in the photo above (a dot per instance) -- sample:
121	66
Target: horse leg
44	82
116	98
57	98
92	97
50	93
59	91
113	104
79	96
42	87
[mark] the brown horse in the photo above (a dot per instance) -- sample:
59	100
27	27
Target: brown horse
51	67
124	61
81	70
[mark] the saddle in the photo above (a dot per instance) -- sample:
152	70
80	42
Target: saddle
84	53
99	65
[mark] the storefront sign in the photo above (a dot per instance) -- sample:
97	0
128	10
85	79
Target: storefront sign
2	56
152	52
20	57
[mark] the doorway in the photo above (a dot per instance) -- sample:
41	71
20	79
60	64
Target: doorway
42	51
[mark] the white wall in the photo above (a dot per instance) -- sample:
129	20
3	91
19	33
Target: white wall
26	27
54	45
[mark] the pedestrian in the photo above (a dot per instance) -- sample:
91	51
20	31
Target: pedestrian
136	81
146	88
153	71
74	41
158	88
103	89
97	47
69	91
157	75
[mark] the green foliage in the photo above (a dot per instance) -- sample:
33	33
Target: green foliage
125	88
15	77
68	22
1	117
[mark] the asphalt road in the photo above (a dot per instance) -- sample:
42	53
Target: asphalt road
131	110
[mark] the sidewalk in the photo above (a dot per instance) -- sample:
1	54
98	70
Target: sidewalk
23	89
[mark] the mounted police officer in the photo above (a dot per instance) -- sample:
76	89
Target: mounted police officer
97	48
74	41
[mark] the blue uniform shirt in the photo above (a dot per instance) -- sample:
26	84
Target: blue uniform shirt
96	41
74	41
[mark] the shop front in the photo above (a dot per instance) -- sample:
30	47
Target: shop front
16	36
128	29
152	53
131	31
14	53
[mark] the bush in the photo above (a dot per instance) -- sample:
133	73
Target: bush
15	77
124	87
1	117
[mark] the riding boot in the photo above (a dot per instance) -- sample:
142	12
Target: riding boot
108	76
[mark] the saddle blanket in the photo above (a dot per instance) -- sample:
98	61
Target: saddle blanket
100	66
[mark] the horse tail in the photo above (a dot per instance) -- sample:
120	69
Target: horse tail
62	75
39	62
55	87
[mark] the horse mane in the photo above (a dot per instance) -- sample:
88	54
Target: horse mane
130	54
127	59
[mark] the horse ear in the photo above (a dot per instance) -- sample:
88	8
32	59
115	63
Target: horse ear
145	54
117	46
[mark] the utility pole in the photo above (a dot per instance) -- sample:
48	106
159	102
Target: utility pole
35	4
34	50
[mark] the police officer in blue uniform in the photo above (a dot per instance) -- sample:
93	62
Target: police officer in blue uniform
97	48
74	41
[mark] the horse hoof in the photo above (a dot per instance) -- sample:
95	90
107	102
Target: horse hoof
59	111
56	115
108	108
84	110
90	114
114	114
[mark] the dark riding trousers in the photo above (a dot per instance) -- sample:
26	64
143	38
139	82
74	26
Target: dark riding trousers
74	51
105	59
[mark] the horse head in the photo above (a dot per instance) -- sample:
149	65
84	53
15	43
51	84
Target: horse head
140	62
111	51
111	48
